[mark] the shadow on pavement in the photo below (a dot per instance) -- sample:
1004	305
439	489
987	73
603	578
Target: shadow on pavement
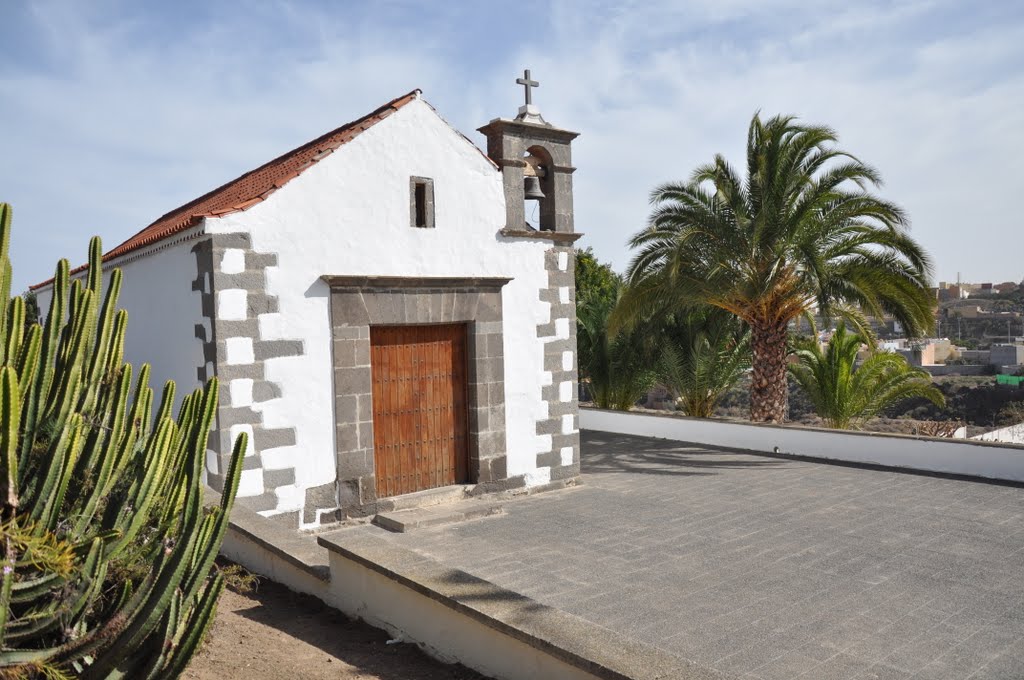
607	452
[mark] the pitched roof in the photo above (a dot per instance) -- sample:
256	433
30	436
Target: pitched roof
254	186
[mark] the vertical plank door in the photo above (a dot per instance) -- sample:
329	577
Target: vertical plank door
419	407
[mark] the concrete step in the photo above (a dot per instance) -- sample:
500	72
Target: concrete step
401	521
421	499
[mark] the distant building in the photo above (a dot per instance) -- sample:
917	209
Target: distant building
968	289
931	352
951	292
1005	354
976	356
947	292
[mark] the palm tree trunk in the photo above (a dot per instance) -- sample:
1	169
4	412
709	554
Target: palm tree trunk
769	397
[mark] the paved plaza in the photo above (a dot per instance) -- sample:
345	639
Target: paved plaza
763	567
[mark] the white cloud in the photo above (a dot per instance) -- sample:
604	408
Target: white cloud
937	114
123	131
117	119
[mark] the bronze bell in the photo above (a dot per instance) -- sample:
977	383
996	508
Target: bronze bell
531	188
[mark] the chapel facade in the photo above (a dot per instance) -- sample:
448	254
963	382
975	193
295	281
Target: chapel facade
382	315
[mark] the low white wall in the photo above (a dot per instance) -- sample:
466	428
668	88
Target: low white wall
242	549
1014	434
413	617
439	630
961	457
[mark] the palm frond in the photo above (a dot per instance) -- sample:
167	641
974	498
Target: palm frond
703	353
845	394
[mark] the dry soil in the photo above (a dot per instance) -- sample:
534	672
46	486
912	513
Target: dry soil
275	633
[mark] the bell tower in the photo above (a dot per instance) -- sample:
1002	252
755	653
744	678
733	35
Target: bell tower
536	163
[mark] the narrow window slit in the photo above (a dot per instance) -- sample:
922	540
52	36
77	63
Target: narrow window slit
421	205
421	202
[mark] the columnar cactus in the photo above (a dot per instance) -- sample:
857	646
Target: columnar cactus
107	548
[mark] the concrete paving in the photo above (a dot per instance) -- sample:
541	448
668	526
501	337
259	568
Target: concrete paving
766	568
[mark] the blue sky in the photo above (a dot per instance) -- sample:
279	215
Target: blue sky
113	112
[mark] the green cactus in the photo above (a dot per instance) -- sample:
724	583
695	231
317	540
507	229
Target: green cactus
107	549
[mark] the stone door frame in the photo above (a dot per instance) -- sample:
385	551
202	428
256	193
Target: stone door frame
358	302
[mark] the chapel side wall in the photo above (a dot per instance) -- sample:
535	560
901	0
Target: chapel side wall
348	215
165	314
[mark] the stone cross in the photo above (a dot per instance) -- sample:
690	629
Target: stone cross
527	85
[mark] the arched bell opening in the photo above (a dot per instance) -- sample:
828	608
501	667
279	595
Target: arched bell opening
538	188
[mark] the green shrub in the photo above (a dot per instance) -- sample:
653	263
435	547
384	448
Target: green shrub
845	394
620	367
704	354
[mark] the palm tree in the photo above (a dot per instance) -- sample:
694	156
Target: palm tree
845	395
618	367
703	355
800	231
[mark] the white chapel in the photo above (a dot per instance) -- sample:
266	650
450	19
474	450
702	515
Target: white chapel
381	316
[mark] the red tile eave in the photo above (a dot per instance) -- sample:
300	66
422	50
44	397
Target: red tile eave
252	187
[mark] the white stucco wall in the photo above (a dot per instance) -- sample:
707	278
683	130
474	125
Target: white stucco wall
953	456
349	215
162	313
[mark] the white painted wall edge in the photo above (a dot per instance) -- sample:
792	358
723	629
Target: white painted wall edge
437	629
262	561
989	460
1014	434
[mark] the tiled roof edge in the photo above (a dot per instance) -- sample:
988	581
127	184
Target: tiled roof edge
180	219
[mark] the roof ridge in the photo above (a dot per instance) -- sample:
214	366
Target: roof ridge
253	186
341	128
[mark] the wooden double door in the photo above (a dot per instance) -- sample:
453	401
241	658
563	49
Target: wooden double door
420	433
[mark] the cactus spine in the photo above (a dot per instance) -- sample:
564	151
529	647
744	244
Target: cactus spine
107	549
